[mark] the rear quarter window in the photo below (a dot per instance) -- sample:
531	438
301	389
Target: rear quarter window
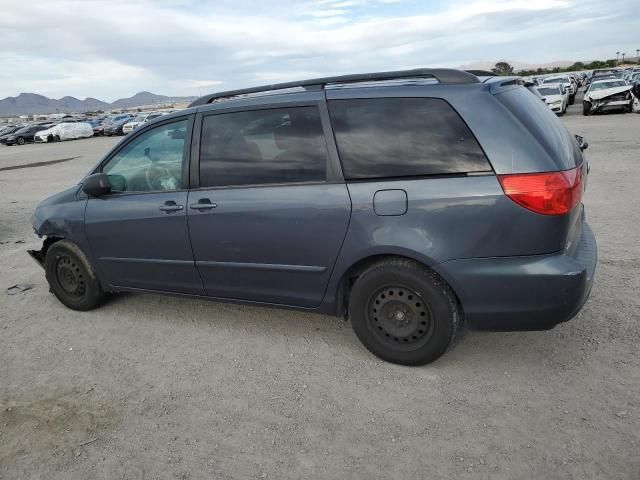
544	125
403	137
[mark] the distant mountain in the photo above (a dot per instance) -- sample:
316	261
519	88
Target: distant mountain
147	98
26	103
517	66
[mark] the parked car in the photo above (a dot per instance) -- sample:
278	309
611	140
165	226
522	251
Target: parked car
6	129
634	81
64	131
99	129
23	135
7	132
114	127
605	72
566	83
94	122
139	120
99	125
554	97
611	94
399	207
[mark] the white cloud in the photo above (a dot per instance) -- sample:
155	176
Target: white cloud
115	48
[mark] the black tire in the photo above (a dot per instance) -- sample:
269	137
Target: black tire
403	312
586	108
20	141
71	278
56	138
572	99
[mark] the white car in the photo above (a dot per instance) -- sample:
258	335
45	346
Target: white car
566	82
610	94
139	120
555	97
64	131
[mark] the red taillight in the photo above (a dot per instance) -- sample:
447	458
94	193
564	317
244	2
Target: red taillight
550	193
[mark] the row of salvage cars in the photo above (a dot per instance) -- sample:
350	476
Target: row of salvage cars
21	134
49	132
605	90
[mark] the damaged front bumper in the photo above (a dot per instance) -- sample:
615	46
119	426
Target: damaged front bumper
38	256
604	104
614	102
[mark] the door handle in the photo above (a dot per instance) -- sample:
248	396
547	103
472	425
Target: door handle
203	204
170	206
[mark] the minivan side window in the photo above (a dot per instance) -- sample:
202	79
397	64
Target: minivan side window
151	162
283	145
403	137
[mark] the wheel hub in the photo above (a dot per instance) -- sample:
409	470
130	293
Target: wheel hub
70	277
399	315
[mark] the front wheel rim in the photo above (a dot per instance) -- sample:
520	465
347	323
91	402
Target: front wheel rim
69	277
399	317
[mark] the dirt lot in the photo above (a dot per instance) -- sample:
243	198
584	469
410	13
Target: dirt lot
176	388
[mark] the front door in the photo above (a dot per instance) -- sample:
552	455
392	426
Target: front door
138	233
266	223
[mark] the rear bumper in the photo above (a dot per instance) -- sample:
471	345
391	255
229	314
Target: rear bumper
524	293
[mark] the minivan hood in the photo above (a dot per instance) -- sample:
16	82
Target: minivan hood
605	92
42	212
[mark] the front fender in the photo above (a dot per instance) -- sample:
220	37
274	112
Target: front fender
61	216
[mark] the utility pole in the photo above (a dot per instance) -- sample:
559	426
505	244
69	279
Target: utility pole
638	56
623	57
617	58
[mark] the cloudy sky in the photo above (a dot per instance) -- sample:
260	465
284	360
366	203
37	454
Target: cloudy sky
185	47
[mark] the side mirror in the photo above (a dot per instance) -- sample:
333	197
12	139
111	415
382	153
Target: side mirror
96	185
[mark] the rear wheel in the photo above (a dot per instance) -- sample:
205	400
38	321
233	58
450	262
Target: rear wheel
71	278
403	312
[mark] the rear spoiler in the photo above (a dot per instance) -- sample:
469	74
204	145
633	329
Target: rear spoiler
501	84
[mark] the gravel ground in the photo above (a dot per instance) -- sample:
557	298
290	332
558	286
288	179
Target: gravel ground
175	388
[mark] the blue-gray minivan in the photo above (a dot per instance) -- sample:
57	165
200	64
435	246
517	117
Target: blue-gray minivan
408	202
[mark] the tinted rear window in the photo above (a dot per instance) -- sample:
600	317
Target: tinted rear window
400	137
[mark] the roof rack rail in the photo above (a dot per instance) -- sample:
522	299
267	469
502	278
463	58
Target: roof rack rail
443	75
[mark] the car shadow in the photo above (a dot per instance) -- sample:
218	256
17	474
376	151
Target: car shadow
562	345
